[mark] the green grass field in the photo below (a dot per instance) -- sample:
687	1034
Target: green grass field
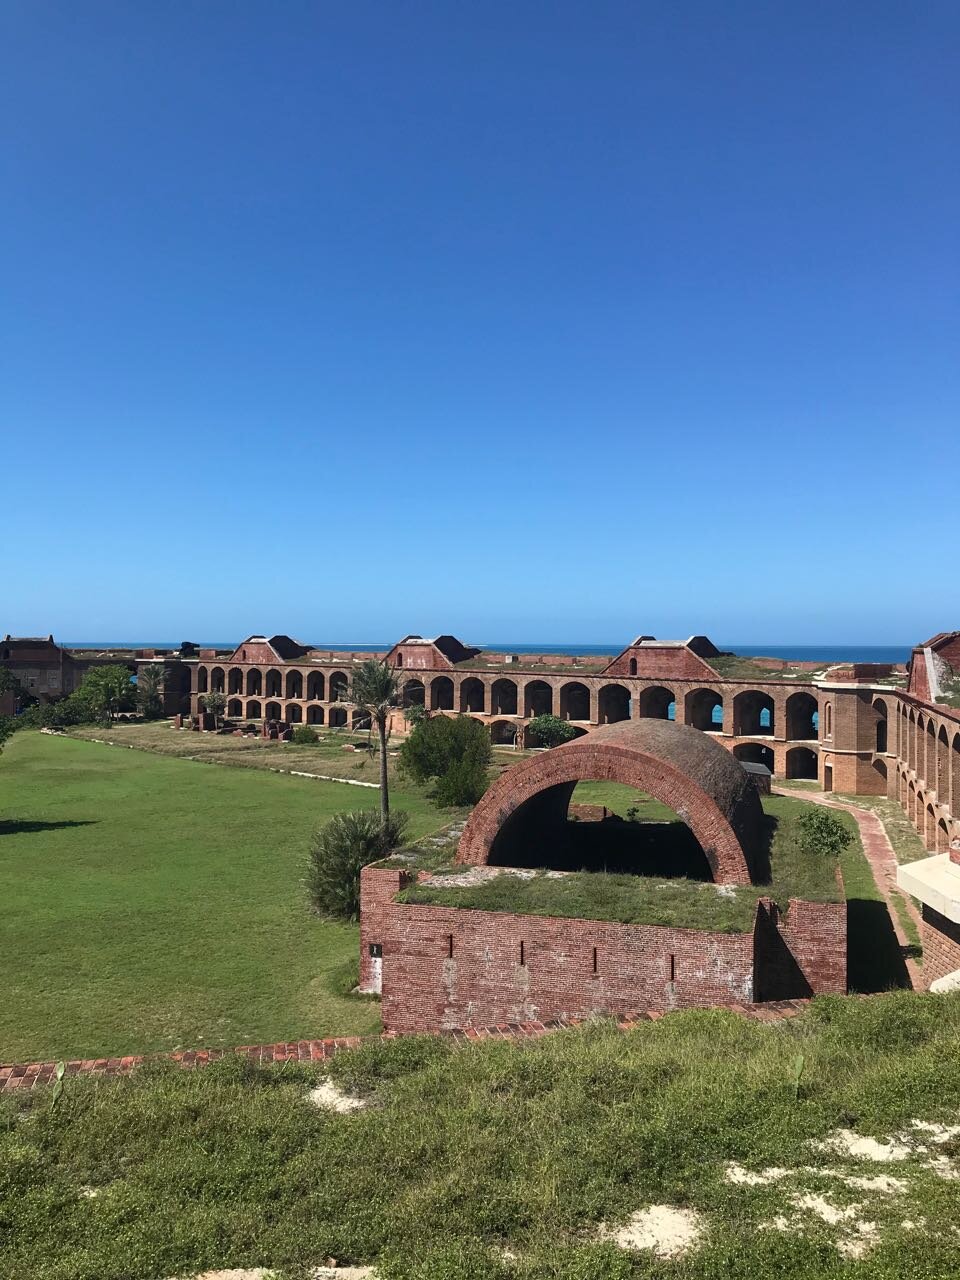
500	1161
153	904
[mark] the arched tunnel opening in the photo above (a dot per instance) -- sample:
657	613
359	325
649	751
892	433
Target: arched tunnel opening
563	828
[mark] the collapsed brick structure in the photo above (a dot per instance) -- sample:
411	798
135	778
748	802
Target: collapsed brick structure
443	967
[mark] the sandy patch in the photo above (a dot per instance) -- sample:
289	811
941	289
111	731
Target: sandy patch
847	1143
748	1178
667	1231
333	1099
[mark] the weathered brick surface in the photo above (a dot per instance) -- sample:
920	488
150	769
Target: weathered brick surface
446	968
800	953
661	663
941	945
378	888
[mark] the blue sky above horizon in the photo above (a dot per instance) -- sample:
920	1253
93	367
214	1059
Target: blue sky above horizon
549	321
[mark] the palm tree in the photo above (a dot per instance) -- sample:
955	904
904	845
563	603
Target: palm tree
376	692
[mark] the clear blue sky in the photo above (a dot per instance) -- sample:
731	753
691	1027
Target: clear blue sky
537	321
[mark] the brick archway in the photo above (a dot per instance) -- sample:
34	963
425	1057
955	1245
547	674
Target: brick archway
679	766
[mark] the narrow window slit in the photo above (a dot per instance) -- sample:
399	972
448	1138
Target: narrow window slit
450	946
673	968
522	954
594	959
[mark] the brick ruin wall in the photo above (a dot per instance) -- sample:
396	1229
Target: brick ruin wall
443	967
941	945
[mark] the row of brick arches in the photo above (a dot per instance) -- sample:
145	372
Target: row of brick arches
928	780
754	712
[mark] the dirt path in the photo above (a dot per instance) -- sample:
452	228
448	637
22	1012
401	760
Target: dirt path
883	865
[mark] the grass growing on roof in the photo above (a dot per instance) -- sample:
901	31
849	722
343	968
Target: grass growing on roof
527	1147
154	904
642	899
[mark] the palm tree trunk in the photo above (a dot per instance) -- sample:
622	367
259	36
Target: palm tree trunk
384	797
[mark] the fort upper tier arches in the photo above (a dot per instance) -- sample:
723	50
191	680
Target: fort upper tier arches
853	733
684	769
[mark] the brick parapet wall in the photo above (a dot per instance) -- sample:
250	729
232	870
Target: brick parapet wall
378	888
444	968
941	945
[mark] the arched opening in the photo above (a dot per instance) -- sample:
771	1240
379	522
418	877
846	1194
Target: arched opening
524	819
314	715
339	688
633	666
294	684
294	713
235	680
414	694
930	827
912	740
254	682
361	720
754	753
880	769
400	658
943	766
537	698
273	711
202	686
802	762
472	695
315	686
902	790
273	687
574	701
217	680
613	704
955	771
441	694
503	698
943	837
235	708
753	714
704	710
656	703
503	733
912	803
802	717
253	711
880	707
337	718
829	719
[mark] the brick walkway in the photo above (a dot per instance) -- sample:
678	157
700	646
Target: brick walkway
883	865
28	1075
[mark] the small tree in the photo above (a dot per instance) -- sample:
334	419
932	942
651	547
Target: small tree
376	692
341	849
822	832
454	750
551	731
105	691
215	704
305	735
8	726
149	686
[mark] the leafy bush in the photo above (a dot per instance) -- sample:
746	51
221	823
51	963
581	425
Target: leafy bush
454	750
341	848
821	832
304	735
550	731
8	726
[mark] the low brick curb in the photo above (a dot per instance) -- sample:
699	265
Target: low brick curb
16	1076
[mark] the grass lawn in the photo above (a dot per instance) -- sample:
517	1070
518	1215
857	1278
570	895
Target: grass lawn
152	904
500	1161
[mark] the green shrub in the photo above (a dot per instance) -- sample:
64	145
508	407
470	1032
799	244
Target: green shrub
341	848
550	731
821	832
304	735
454	750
